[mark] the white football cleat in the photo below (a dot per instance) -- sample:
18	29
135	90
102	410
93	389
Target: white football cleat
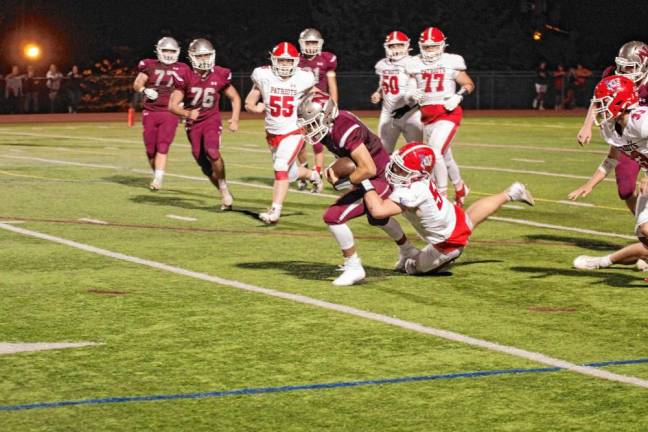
584	262
155	185
410	252
642	264
226	202
317	185
302	184
410	266
270	217
519	192
352	272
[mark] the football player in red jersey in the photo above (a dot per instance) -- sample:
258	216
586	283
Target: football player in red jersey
323	65
196	99
445	226
346	136
435	77
631	62
156	79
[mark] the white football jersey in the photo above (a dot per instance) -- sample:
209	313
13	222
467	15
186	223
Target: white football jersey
393	82
281	97
437	79
429	212
634	139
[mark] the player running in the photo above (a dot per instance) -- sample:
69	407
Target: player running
281	87
156	79
445	226
196	99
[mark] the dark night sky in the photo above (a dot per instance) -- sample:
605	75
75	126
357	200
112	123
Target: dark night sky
490	34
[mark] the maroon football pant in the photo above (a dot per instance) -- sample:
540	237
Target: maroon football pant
351	205
159	130
626	173
205	139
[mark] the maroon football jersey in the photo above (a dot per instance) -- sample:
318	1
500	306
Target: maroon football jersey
347	133
203	91
163	79
319	65
642	87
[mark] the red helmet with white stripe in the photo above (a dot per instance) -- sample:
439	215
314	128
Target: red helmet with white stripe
412	162
612	96
280	53
397	45
431	44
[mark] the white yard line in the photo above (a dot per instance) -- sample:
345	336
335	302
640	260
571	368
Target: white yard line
517	171
93	221
528	160
561	228
17	347
408	325
513	207
528	147
182	218
576	203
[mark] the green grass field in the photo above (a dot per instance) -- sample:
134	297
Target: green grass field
163	333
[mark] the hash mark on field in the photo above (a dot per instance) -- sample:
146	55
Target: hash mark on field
528	160
182	218
408	325
576	203
13	348
513	207
12	221
93	221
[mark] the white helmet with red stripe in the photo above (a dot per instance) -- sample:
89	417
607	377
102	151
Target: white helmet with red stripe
397	45
431	44
414	161
280	53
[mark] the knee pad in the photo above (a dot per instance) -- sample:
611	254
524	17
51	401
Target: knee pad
280	165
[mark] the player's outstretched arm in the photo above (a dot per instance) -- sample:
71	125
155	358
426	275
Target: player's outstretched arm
608	164
252	103
140	82
379	208
235	99
377	95
365	166
585	133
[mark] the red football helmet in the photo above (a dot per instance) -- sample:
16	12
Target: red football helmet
612	96
284	51
413	162
397	45
431	44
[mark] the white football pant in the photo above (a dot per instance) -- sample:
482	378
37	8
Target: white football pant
284	156
389	128
438	136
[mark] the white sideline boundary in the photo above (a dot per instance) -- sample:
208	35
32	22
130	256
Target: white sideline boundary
561	228
408	325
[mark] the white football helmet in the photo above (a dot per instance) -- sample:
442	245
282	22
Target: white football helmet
202	54
311	35
284	51
431	44
167	50
392	41
632	60
315	115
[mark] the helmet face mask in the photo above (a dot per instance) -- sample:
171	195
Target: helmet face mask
167	50
612	97
311	42
202	54
431	44
284	58
396	50
632	61
315	115
413	162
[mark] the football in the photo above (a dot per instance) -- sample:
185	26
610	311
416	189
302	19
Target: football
342	167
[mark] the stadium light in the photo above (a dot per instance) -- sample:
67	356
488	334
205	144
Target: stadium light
537	36
32	51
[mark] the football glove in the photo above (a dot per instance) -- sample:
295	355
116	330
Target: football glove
400	112
150	93
342	184
452	102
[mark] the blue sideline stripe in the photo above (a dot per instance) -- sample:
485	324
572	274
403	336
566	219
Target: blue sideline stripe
261	390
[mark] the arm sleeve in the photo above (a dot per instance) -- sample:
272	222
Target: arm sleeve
406	197
332	63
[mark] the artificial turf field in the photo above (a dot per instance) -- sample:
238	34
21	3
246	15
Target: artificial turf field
177	352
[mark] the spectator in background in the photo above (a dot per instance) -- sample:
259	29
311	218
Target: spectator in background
581	76
559	86
31	86
542	77
73	87
14	90
570	92
54	78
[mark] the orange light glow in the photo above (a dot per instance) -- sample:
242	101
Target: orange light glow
537	35
32	51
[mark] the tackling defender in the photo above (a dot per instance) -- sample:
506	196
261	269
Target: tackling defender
196	99
282	86
624	127
323	65
156	80
443	225
346	136
435	75
396	116
631	62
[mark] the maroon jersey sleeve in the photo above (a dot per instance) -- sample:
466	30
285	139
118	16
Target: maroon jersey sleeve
145	66
225	78
331	61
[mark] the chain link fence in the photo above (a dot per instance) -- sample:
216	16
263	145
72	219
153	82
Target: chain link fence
493	90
